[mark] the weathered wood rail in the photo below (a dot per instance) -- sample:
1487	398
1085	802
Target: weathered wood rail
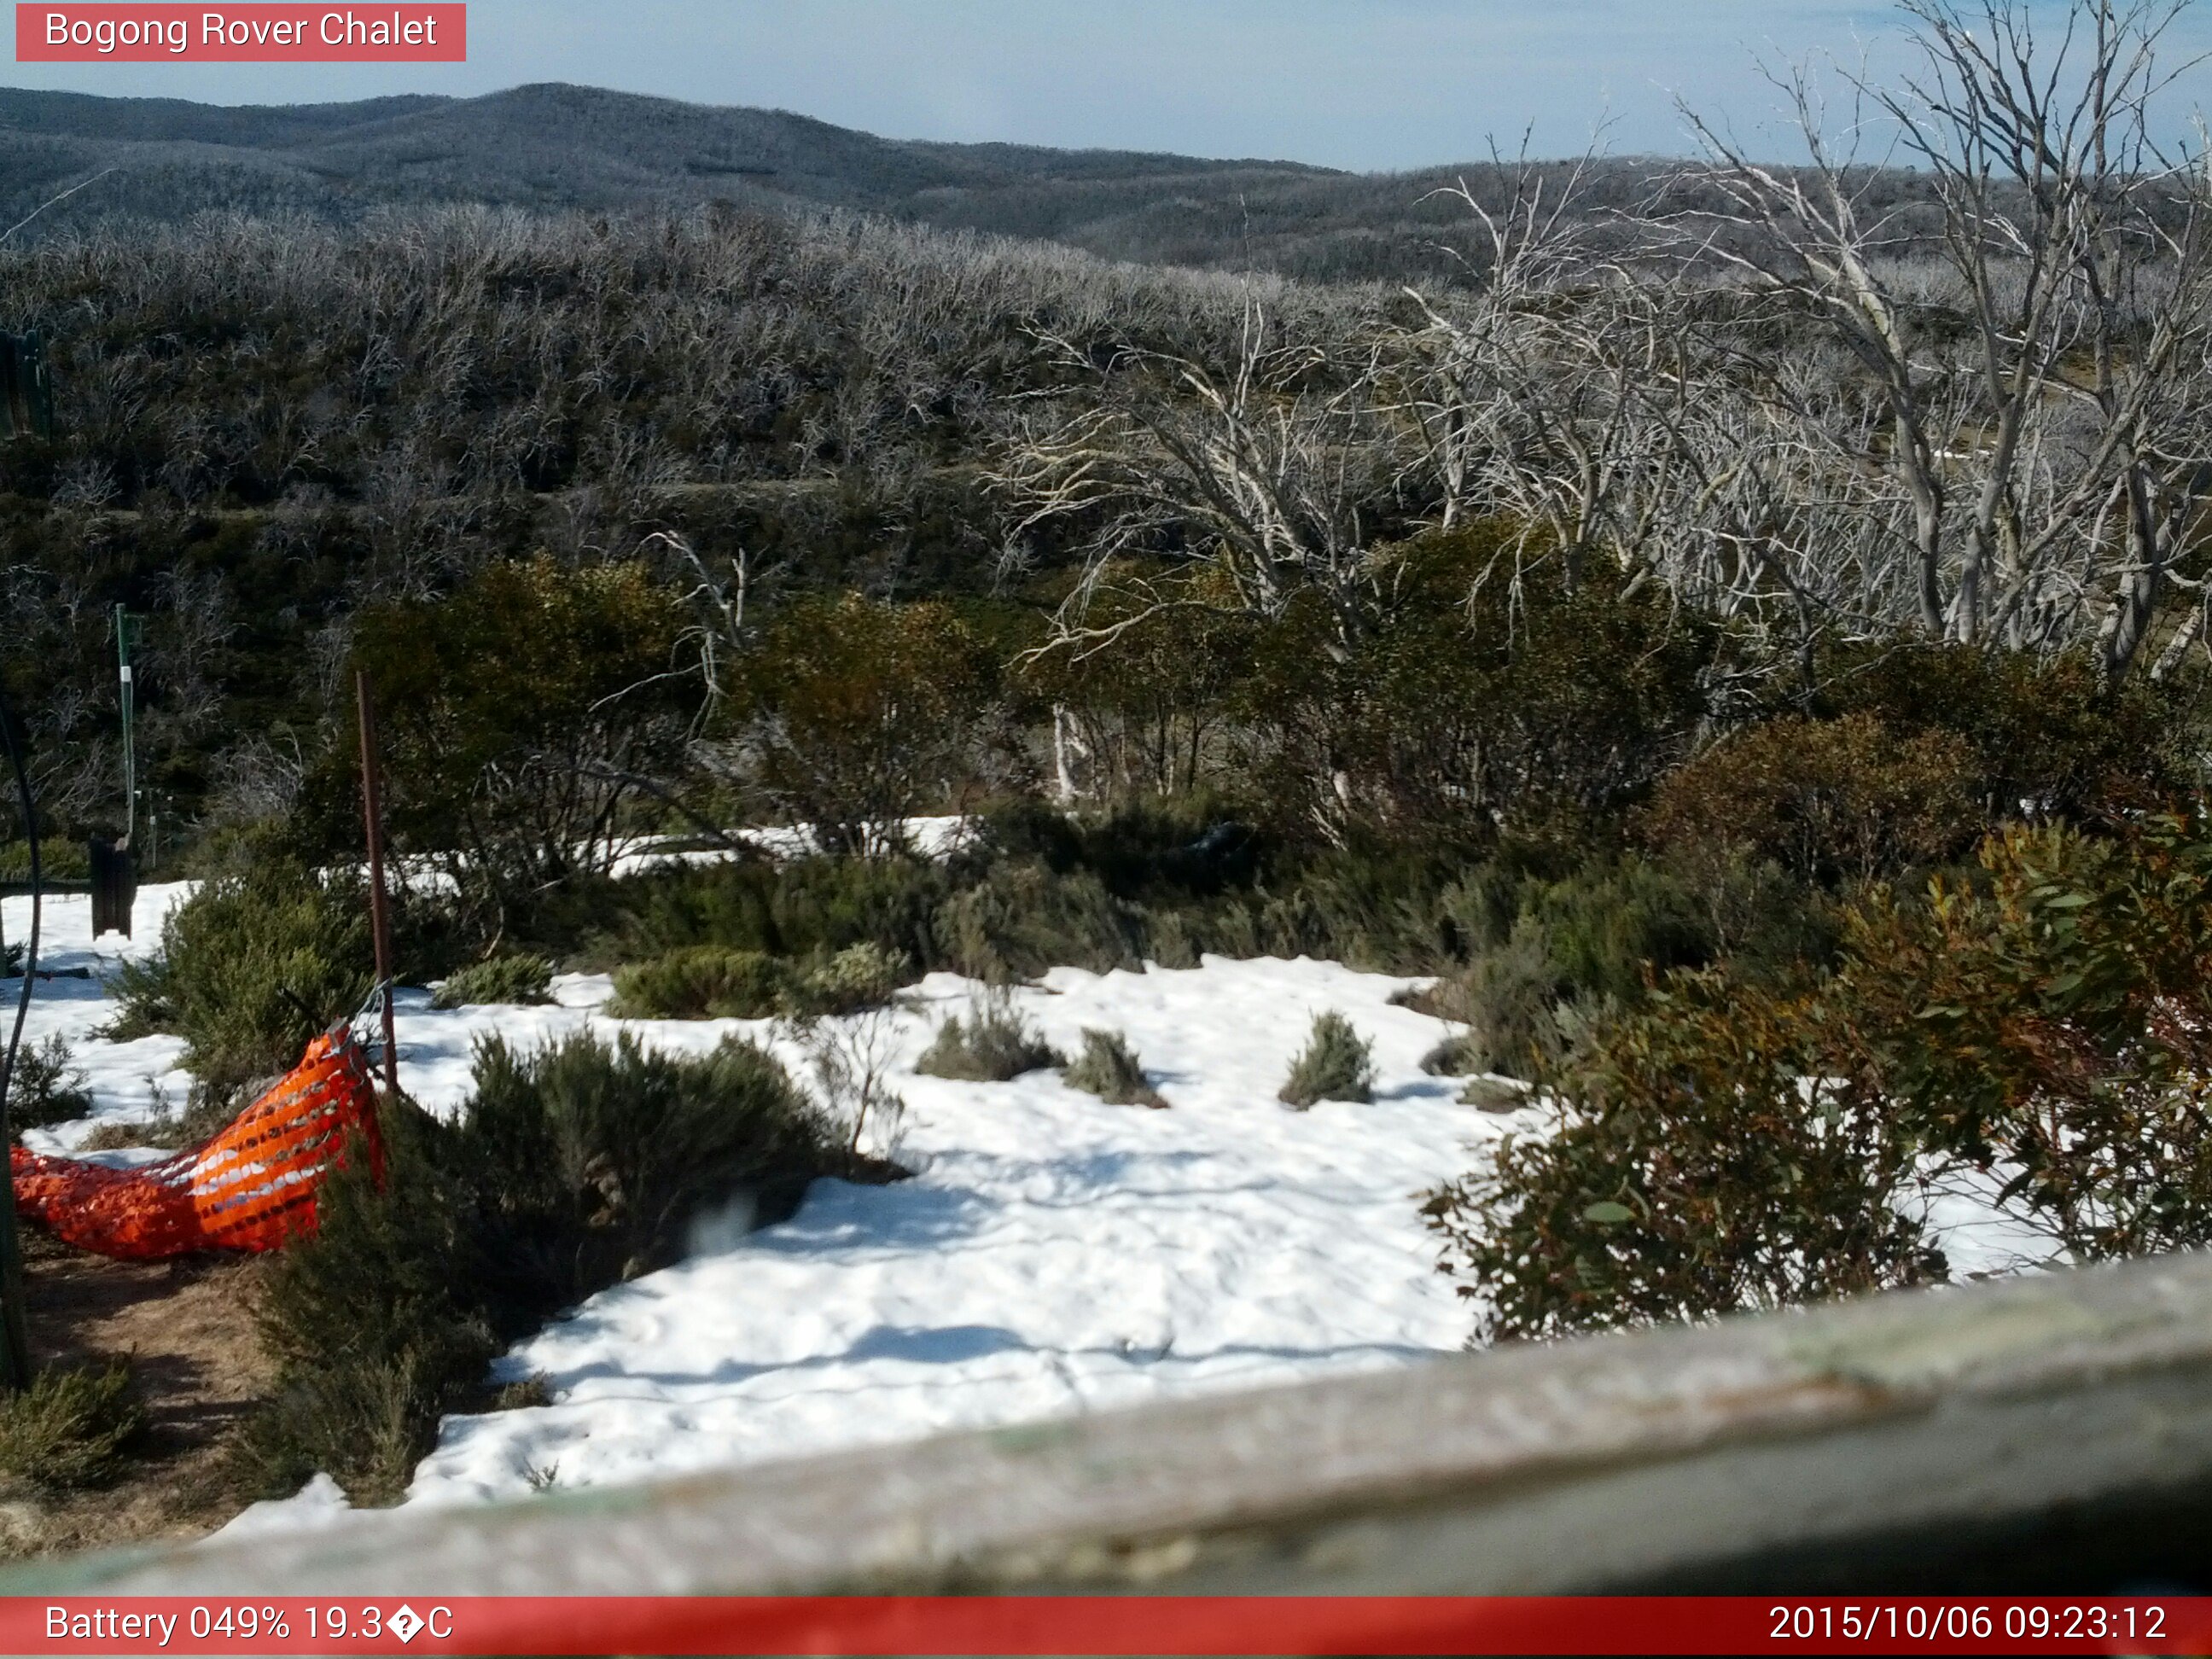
2048	1433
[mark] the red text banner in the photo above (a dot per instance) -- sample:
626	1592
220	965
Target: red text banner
1133	1625
123	33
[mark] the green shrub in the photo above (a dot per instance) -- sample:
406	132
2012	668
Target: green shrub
2053	1020
59	860
1510	1000
1469	701
47	1086
572	1166
706	982
863	975
2051	737
1109	1069
72	1428
994	1044
702	981
518	978
1553	956
863	713
801	908
1845	798
1736	1145
378	1323
598	1159
1692	1170
1337	1064
518	709
1020	920
251	966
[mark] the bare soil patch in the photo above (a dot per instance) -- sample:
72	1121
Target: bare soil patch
187	1329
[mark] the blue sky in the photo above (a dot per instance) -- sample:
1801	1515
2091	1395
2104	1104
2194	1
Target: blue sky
1365	84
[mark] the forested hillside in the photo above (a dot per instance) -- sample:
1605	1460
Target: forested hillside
266	425
551	148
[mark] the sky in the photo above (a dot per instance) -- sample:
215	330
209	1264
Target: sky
1369	85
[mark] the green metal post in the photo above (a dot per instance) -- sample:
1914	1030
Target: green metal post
126	628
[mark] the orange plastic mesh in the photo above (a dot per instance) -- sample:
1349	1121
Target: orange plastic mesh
251	1186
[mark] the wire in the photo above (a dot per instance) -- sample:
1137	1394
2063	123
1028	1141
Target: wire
31	946
14	1338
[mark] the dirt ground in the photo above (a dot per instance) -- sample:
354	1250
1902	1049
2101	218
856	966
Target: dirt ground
186	1329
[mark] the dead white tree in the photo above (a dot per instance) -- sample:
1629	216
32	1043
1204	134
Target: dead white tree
1266	473
2040	452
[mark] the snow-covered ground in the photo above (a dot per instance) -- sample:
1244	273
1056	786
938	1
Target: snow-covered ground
1053	1254
929	838
126	1079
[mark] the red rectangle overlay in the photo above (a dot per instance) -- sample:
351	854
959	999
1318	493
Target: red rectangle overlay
75	32
1132	1624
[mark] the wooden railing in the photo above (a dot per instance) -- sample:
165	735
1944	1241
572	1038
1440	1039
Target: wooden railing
2053	1432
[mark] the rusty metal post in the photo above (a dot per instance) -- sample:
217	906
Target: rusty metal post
379	915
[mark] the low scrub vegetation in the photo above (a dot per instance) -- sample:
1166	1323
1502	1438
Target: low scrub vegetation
46	1087
708	982
74	1427
251	966
1730	1145
993	1043
1336	1064
1108	1068
519	977
572	1167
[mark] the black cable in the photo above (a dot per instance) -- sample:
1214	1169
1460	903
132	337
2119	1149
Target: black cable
31	947
15	1337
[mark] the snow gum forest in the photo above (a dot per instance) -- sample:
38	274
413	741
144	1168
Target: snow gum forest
999	815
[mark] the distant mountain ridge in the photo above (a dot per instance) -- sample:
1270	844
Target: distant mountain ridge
555	146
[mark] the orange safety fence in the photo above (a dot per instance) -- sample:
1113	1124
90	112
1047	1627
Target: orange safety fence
251	1186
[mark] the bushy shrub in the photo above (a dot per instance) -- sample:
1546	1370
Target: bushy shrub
1336	1064
1575	949
1108	1068
1732	1145
47	1086
701	981
2054	1020
863	713
1510	1001
801	909
994	1044
602	1155
1020	919
1456	1056
863	975
516	978
1469	699
517	713
2051	737
709	982
379	1322
1692	1169
251	966
1845	798
571	1167
72	1428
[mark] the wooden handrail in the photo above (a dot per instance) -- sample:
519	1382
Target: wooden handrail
2058	1423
